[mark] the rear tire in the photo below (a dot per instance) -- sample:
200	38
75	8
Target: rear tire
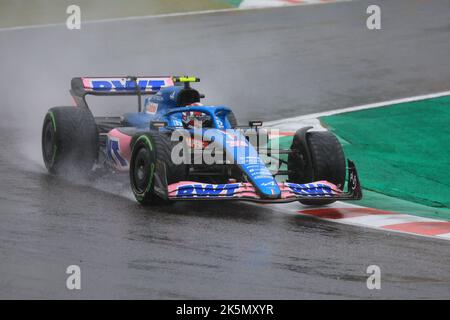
328	162
148	148
69	141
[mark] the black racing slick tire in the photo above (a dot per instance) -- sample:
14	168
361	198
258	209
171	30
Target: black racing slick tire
70	141
327	161
148	149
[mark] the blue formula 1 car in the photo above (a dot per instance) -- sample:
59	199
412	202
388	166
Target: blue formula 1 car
175	148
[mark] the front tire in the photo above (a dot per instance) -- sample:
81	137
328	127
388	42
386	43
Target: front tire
327	161
148	149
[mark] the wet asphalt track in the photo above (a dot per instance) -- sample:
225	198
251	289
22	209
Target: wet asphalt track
267	64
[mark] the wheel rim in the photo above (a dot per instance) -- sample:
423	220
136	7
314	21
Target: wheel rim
141	170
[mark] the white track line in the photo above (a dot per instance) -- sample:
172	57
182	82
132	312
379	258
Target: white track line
280	3
386	219
165	15
158	16
312	118
374	222
353	223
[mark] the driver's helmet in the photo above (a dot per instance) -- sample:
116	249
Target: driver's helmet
190	118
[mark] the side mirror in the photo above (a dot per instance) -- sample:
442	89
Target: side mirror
157	124
255	124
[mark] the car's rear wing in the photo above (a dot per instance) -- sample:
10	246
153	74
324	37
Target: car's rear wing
122	86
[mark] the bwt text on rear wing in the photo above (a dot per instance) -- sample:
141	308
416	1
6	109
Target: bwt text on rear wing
129	85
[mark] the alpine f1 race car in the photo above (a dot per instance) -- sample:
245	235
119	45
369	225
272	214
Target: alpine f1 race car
175	148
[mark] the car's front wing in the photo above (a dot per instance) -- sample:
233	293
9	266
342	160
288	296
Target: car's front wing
320	190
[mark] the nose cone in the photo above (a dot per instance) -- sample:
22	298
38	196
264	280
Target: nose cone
262	179
241	152
266	185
